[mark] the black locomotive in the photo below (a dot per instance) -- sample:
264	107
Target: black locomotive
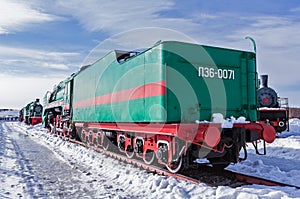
270	109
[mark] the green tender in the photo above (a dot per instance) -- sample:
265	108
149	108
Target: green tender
199	80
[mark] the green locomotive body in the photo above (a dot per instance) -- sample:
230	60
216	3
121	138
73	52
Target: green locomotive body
170	82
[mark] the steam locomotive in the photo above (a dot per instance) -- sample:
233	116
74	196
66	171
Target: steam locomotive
270	110
31	113
170	105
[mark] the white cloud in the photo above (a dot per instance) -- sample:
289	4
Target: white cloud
278	47
277	37
38	62
269	21
271	31
16	15
117	16
278	43
135	39
8	51
277	31
21	90
296	9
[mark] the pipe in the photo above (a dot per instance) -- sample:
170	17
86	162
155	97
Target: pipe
253	42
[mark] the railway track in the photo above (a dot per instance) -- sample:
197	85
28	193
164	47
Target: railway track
196	174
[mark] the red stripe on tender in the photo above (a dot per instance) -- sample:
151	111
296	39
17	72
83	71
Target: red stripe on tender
144	91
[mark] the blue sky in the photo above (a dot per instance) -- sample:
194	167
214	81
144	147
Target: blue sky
43	42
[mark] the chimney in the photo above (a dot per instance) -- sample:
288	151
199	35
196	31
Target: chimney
264	80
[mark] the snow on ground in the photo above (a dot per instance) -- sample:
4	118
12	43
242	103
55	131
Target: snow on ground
282	162
88	174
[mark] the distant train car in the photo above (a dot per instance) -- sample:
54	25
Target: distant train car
155	104
26	113
32	113
21	115
270	110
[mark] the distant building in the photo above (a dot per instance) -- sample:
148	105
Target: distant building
294	112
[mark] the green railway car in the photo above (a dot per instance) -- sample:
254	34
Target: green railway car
170	82
158	105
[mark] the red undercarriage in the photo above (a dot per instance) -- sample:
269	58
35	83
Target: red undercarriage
140	139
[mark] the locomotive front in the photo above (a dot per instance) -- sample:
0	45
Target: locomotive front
32	113
35	112
270	110
267	97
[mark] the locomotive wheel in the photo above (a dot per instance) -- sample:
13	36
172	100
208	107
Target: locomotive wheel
106	143
175	167
149	157
82	136
129	151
